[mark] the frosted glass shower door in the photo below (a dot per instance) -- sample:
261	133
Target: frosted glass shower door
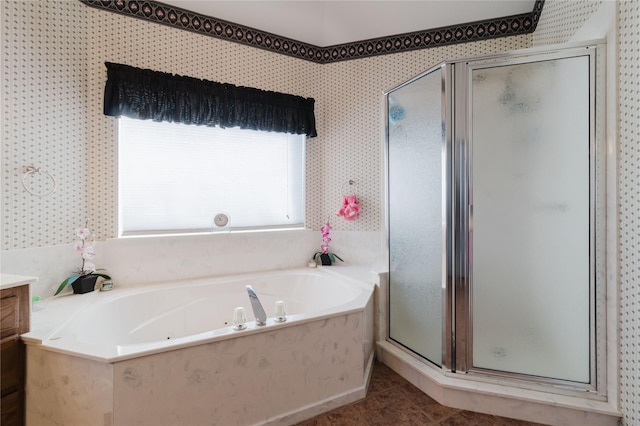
530	228
416	146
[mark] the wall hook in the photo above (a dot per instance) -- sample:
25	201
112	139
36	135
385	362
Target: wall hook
346	187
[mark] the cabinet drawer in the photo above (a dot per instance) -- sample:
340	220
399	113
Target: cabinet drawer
14	320
12	366
9	316
10	408
14	311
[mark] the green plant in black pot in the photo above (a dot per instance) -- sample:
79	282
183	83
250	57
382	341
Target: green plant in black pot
84	279
324	257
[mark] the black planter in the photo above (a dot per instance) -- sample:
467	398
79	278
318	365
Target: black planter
325	259
84	284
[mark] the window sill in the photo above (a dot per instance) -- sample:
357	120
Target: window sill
211	233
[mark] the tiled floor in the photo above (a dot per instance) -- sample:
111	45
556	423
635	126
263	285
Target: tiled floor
391	400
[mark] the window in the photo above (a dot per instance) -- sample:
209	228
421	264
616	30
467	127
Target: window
174	178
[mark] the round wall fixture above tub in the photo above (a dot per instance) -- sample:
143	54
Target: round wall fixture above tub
221	221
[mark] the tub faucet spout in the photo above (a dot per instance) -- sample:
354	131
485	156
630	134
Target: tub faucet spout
258	310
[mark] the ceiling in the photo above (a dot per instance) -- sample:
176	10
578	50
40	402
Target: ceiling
331	22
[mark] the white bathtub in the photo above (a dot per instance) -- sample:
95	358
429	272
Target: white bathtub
107	354
129	322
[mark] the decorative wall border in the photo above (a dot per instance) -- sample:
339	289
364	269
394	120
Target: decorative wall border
186	20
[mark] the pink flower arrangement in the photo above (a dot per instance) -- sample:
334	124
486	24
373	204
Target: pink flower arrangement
325	238
324	256
86	251
84	246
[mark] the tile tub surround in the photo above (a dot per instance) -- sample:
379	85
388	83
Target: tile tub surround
280	375
147	259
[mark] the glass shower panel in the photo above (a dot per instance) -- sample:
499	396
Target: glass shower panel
415	193
530	229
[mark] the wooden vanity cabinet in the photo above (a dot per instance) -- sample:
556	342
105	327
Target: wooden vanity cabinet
14	319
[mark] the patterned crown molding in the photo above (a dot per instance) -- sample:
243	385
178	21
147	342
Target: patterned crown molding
186	20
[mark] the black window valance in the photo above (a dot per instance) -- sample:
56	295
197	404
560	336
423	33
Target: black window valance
146	94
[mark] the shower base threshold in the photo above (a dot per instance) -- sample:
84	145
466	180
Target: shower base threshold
497	399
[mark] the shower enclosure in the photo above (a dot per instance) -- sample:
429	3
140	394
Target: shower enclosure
495	191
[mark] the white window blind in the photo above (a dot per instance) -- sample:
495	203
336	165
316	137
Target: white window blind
176	177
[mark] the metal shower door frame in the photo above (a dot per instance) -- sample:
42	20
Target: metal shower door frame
457	209
463	218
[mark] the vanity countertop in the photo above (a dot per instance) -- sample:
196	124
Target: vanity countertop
9	280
